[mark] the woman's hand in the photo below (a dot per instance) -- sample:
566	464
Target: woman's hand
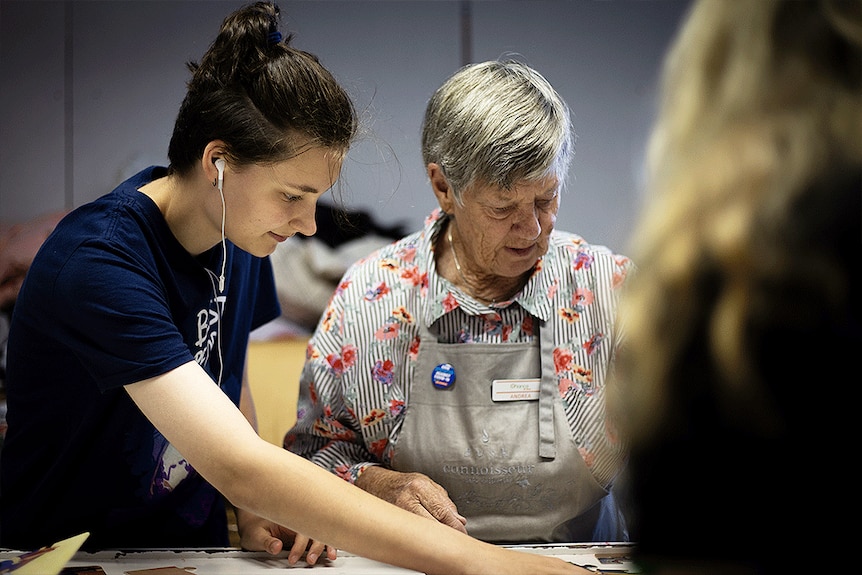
259	534
414	492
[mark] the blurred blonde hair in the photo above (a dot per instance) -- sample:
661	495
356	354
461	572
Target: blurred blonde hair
762	99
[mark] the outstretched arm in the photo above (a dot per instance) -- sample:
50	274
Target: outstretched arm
199	420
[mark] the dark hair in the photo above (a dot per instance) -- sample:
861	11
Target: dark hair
259	95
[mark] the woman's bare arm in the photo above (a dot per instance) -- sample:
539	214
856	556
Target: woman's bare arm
215	437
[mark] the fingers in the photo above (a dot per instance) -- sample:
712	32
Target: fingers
431	499
274	545
258	534
443	510
262	542
313	550
300	544
414	492
318	550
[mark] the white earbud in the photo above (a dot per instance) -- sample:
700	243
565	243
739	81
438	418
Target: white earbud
220	164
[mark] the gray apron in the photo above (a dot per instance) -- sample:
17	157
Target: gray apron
512	467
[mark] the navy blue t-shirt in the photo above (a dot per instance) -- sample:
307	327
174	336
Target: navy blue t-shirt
113	298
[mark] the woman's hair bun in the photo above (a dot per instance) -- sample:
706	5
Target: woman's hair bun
245	42
260	97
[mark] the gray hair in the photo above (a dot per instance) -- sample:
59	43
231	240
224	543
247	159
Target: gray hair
498	123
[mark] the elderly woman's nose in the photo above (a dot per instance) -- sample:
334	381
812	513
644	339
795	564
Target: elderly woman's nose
528	222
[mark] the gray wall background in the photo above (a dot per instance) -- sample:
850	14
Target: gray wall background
89	91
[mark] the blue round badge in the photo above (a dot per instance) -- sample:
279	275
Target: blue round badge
443	376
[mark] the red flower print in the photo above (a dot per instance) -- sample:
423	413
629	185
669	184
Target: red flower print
449	302
388	330
585	377
312	391
382	371
402	315
388	264
569	314
396	406
493	323
413	351
377	292
343	472
592	344
411	276
433	216
377	447
328	319
562	359
582	296
583	374
527	325
373	417
332	429
565	385
582	382
336	366
348	355
342	286
537	268
583	261
407	254
552	291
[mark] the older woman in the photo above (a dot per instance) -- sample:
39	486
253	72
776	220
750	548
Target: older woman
459	372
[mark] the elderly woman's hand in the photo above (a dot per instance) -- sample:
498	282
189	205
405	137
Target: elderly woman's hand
414	492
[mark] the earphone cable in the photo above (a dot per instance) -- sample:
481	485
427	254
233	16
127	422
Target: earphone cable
223	243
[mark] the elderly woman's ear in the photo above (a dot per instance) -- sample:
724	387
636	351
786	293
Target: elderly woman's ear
442	189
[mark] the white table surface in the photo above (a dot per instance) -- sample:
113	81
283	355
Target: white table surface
235	562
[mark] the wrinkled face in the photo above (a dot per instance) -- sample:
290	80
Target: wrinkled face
266	205
504	232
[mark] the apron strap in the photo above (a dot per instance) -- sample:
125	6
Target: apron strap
547	391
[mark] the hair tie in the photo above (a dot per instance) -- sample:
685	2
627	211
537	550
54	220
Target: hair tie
274	37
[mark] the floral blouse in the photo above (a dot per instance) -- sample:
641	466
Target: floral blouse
359	363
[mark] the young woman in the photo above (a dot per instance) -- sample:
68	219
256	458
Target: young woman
126	369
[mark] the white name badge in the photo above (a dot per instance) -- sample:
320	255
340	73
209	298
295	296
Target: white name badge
515	389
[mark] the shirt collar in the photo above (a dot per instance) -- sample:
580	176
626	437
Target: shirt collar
443	297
